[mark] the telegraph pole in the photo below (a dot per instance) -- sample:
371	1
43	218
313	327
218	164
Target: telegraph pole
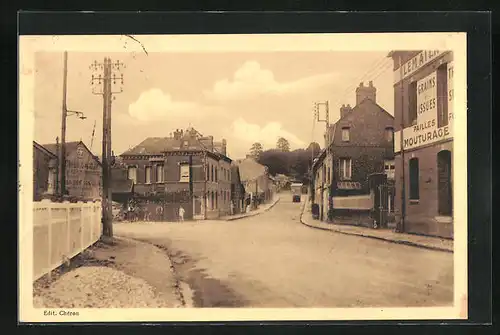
65	114
401	224
62	158
104	79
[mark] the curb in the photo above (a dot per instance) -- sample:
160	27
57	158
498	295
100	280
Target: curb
407	243
254	214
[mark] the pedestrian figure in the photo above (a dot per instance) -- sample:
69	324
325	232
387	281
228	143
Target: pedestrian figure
232	208
159	213
181	214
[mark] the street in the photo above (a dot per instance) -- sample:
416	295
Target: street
272	260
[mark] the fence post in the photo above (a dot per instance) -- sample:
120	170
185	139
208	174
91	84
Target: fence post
81	206
91	220
67	208
49	263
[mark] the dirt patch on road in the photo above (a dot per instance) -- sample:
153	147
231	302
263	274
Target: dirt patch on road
112	273
205	291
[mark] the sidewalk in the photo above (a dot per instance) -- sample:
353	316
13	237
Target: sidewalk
432	243
262	208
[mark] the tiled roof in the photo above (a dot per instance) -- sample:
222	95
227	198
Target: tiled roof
250	169
158	145
70	147
42	148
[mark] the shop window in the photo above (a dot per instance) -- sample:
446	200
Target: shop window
159	173
442	95
412	104
147	178
132	173
184	173
389	134
345	165
213	201
445	191
345	134
414	179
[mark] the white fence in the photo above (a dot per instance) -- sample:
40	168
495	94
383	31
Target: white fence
355	202
61	231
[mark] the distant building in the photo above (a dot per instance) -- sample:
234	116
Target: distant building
237	190
186	169
322	176
255	178
423	96
83	170
44	172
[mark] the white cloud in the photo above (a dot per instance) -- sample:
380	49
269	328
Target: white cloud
267	135
250	80
156	105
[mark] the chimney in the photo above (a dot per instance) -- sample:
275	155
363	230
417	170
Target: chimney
364	92
344	110
224	144
177	134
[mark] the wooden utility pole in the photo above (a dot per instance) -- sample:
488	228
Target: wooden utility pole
62	158
104	79
403	188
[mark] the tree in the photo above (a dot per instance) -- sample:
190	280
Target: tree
283	144
256	150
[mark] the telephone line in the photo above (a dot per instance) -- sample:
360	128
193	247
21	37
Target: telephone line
368	74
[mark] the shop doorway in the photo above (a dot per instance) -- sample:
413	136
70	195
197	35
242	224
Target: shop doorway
445	191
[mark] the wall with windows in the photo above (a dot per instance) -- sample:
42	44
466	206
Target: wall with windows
357	163
423	100
428	190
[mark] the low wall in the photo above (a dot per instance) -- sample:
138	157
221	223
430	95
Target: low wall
354	202
61	231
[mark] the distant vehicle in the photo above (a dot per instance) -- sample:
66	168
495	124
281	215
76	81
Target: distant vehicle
296	191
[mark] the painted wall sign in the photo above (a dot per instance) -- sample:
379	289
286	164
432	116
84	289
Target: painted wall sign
416	63
426	131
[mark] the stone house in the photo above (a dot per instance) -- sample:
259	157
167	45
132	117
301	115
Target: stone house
361	142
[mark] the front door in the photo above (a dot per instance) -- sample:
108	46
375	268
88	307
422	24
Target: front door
445	194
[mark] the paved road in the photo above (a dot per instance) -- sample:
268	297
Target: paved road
272	260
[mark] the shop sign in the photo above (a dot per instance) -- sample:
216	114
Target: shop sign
417	62
426	130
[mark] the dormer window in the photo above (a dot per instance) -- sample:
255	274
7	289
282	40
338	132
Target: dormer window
345	134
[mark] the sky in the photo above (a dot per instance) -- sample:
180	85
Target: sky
243	97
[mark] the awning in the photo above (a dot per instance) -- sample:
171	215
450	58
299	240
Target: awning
348	185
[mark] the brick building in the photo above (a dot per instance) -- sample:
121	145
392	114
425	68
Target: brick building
83	170
185	169
423	100
361	142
